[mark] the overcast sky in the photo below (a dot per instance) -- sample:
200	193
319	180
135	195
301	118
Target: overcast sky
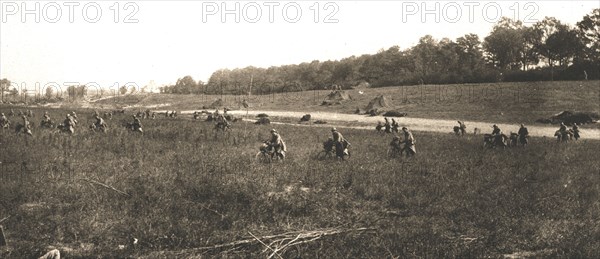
166	40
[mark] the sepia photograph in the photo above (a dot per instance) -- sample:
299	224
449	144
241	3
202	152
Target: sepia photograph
299	129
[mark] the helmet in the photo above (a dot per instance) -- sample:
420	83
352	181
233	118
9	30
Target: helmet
495	126
333	129
404	128
273	130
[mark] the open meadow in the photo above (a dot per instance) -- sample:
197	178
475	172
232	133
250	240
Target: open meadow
181	191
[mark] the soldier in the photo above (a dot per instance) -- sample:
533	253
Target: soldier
340	143
100	124
46	117
153	115
563	127
395	125
69	124
379	126
388	126
29	113
11	113
46	121
498	136
523	135
409	143
462	128
276	142
396	144
196	115
576	131
4	122
26	126
74	119
137	124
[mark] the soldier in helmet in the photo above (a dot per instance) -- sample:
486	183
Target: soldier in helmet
99	124
26	126
341	144
4	122
576	131
388	126
523	135
277	142
137	124
396	144
409	142
69	124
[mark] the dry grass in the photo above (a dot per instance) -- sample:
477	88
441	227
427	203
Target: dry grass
187	189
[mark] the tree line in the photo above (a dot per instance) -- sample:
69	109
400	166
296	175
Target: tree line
546	50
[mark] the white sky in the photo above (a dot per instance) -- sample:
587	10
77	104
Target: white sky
171	40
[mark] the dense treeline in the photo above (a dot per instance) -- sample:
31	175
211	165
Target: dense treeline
547	50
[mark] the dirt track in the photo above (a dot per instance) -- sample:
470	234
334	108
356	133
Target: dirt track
416	124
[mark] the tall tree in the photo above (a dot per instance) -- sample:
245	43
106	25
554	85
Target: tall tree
504	46
589	32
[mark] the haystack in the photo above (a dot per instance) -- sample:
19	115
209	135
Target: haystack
377	104
336	97
569	117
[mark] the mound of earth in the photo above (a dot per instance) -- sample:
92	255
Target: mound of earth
336	97
262	115
377	105
569	117
306	117
263	121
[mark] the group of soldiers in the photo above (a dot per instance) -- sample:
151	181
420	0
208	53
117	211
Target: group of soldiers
338	142
387	126
498	138
69	123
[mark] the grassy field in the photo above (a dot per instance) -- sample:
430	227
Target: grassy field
495	102
178	188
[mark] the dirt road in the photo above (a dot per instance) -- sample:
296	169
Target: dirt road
416	124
